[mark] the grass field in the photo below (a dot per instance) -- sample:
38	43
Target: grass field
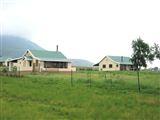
51	96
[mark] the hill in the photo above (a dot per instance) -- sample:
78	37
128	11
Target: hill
14	46
81	63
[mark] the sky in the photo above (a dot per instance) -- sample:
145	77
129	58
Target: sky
86	29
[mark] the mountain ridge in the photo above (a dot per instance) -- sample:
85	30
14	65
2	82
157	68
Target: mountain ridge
15	46
81	63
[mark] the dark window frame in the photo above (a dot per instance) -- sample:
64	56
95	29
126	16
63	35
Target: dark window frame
110	66
55	64
103	66
30	63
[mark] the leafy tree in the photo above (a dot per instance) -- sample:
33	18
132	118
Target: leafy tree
156	50
141	54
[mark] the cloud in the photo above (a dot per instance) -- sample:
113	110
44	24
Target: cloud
87	29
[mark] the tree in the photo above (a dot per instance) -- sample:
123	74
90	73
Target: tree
156	50
141	54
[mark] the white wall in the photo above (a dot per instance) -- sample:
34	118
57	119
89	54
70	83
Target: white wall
106	61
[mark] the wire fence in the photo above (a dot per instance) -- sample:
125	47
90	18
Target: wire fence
126	80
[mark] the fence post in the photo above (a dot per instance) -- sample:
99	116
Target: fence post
19	72
71	78
90	79
105	76
111	78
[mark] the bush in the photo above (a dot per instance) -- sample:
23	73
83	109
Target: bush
14	69
4	69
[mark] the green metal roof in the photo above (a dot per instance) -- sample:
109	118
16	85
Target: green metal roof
3	59
44	55
121	59
29	58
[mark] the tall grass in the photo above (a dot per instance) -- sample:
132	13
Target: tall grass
112	95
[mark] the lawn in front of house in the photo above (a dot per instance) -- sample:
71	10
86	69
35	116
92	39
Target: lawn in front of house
92	95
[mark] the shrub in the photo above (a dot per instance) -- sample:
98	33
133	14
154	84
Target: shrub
4	69
14	69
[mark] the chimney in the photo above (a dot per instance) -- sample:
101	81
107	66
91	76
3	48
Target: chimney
121	58
57	48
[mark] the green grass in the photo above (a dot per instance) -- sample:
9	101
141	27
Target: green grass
50	96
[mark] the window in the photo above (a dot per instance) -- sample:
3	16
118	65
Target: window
110	65
55	64
7	63
104	66
117	65
30	63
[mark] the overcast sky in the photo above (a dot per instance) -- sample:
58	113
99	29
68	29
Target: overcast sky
87	29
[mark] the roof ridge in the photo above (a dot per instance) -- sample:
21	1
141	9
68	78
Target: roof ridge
121	59
44	50
117	56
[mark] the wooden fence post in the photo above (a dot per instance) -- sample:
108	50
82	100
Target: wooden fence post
71	78
110	77
19	72
90	79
